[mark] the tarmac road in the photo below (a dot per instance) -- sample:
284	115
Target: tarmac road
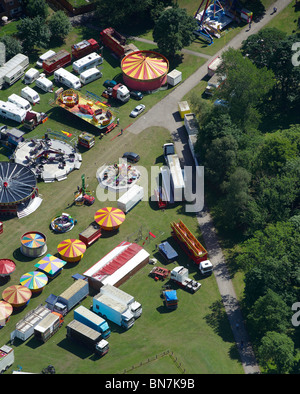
165	114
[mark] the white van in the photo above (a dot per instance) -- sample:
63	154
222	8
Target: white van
31	75
12	111
45	84
31	95
66	78
43	57
89	61
90	75
19	101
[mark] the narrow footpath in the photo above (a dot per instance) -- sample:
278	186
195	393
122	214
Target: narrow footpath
165	114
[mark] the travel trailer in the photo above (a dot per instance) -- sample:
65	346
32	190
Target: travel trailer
90	75
19	102
66	78
12	111
45	84
89	61
31	95
14	69
31	75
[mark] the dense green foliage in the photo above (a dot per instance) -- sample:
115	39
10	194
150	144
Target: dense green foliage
173	30
37	29
253	171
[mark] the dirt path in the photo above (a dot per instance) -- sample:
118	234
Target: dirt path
165	114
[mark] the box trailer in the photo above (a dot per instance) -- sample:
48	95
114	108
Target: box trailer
54	62
90	75
124	298
25	327
45	84
87	336
31	75
48	326
174	77
87	62
184	108
129	199
66	78
19	102
7	357
12	111
69	298
113	310
213	65
43	57
172	160
30	95
92	320
90	234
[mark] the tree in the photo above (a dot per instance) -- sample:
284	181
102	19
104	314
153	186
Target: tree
237	199
244	88
287	88
119	13
277	349
221	159
13	46
173	30
59	25
261	47
36	8
269	313
33	32
275	151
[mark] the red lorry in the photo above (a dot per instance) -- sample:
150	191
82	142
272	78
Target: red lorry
84	48
116	42
53	63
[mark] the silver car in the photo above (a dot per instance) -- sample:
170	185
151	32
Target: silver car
137	110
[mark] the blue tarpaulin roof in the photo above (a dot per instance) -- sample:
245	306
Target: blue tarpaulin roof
171	295
168	251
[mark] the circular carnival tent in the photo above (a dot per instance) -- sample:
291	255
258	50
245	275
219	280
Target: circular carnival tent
50	265
144	70
34	281
17	186
33	244
109	218
6	310
71	250
7	267
16	295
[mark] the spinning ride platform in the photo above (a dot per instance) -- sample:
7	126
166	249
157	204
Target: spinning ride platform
18	185
118	176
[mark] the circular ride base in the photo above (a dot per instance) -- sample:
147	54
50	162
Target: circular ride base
62	223
118	176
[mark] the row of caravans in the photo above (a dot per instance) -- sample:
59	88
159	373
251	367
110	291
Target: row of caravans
13	69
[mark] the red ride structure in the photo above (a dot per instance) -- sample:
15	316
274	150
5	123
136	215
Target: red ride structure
188	242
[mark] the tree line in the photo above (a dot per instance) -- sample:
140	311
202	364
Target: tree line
37	29
249	144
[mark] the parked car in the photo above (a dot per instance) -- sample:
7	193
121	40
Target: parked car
131	156
109	83
137	110
136	95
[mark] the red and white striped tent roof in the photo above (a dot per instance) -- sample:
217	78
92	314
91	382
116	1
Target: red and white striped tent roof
118	263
